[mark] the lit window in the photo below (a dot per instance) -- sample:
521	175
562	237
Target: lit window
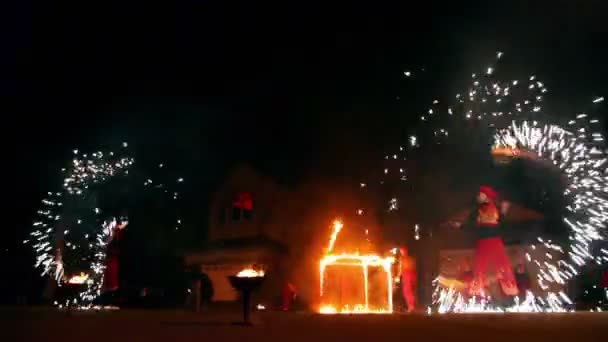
242	206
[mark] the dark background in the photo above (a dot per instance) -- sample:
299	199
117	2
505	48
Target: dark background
295	89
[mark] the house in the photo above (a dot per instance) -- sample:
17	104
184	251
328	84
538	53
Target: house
243	231
283	230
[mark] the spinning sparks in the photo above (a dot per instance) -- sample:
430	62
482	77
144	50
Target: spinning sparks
70	234
355	260
577	151
63	242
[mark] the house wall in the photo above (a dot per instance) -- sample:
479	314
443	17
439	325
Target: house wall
218	274
219	264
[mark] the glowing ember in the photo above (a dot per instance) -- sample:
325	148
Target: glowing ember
504	154
250	273
356	260
78	279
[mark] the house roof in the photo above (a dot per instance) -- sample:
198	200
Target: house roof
260	241
249	249
244	243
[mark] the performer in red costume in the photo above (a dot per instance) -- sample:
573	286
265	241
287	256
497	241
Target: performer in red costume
110	277
289	296
490	252
408	279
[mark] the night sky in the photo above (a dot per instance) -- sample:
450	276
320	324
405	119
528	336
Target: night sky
294	88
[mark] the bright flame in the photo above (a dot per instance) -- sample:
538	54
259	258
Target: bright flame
250	273
334	235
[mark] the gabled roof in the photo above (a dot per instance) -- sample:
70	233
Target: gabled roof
260	241
249	249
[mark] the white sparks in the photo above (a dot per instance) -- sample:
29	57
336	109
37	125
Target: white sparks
575	151
393	204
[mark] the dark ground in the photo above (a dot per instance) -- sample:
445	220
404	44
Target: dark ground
149	326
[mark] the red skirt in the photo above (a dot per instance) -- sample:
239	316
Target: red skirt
491	256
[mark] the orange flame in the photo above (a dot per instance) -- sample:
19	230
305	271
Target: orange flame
505	151
250	273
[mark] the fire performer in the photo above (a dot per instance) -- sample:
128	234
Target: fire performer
110	277
408	279
490	253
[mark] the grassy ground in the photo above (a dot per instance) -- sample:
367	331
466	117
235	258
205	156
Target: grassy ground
167	325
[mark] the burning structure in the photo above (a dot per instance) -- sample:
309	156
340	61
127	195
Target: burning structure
353	282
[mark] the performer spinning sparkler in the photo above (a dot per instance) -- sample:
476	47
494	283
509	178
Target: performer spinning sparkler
490	253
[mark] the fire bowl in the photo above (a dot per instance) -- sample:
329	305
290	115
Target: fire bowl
245	285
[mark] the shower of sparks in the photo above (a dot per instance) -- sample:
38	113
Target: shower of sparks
68	239
452	301
577	151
